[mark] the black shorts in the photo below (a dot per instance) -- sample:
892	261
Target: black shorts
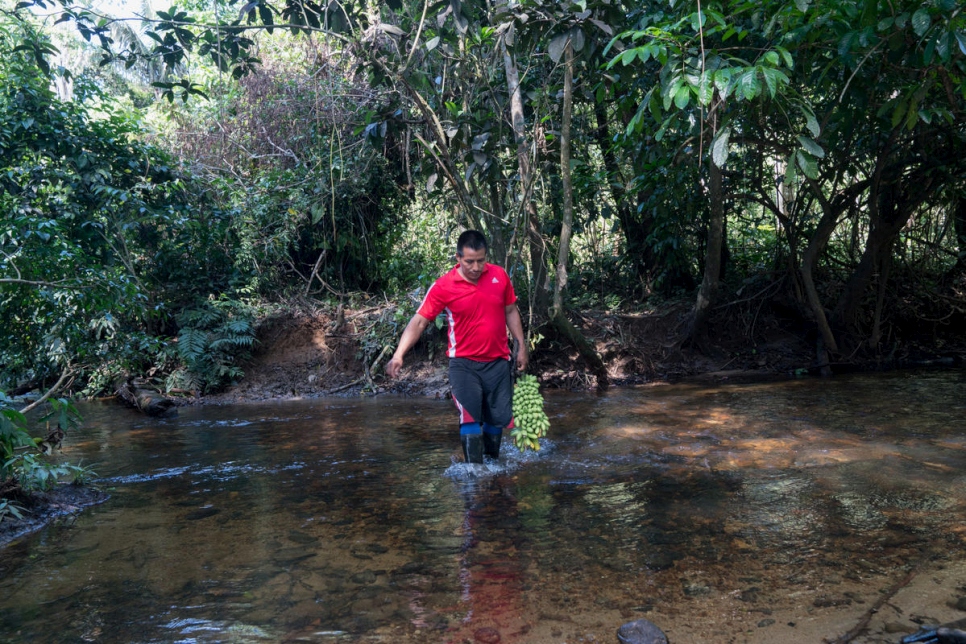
482	391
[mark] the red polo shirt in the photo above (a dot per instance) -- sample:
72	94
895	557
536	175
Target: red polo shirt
476	312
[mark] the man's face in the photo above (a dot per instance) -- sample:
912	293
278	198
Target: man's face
472	262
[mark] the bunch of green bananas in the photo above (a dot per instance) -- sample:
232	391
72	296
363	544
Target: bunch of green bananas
529	420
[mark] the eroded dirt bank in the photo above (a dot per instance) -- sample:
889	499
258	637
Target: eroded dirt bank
305	353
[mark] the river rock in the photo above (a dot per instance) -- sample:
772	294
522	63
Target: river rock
486	635
641	631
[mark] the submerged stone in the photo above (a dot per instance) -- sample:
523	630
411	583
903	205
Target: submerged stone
641	631
486	635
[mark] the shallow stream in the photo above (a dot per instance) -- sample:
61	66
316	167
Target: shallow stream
768	512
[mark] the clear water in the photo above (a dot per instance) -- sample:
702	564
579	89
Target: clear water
704	509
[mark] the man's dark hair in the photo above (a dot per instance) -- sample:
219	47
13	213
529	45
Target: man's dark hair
472	239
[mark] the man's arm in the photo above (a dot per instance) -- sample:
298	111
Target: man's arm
515	324
409	337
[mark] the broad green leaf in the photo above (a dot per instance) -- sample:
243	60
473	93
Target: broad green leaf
812	147
577	38
807	163
682	96
633	124
719	148
705	90
900	112
961	39
432	43
628	56
266	15
944	46
929	52
558	45
912	117
698	21
749	84
812	123
921	22
770	80
802	5
845	43
653	102
722	82
770	27
772	58
786	57
607	29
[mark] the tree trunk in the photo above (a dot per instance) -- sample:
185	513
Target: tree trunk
875	337
816	246
148	401
557	314
498	249
894	204
712	258
540	301
959	226
567	221
636	231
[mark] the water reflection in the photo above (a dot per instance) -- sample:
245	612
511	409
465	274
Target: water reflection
703	508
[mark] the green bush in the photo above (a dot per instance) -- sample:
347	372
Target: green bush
24	464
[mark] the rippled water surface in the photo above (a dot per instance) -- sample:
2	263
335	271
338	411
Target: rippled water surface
714	511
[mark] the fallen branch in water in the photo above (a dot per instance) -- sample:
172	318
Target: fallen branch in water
50	392
886	596
344	387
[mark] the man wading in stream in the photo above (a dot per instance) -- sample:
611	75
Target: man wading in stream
480	306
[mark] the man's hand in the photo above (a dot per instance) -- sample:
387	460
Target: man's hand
515	324
410	334
523	359
394	366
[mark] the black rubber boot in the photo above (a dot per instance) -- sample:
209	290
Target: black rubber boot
491	444
472	447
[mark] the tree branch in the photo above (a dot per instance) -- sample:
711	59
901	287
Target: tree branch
58	284
57	385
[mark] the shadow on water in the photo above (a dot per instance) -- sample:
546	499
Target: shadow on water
724	514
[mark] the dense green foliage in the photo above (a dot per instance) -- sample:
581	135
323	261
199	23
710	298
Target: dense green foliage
815	147
23	466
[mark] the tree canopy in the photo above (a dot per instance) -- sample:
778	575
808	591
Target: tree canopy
246	152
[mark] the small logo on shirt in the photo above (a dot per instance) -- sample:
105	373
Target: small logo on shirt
496	281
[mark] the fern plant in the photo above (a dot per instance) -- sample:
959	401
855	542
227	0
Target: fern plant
214	341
